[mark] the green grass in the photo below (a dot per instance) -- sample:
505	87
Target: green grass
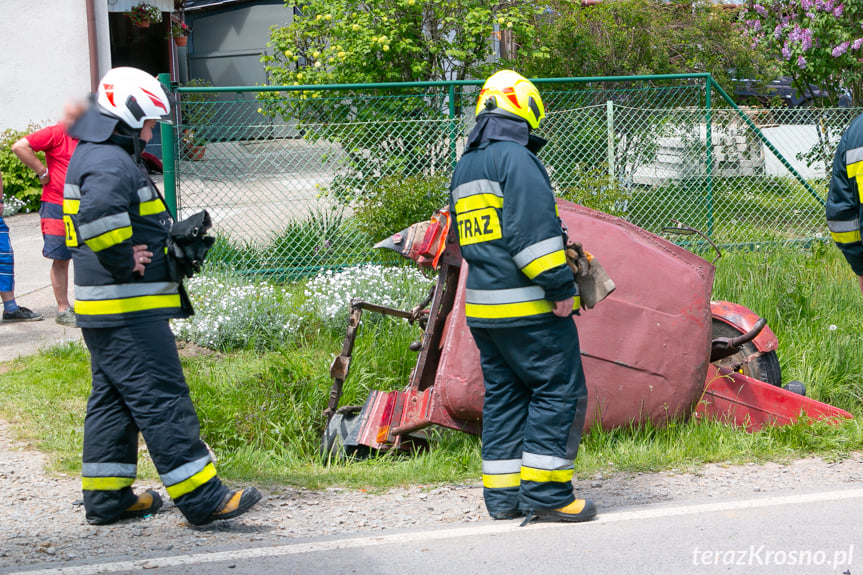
741	209
323	240
262	411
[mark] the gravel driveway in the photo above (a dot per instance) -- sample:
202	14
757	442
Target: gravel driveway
41	522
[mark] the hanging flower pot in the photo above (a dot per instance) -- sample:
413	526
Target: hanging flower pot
142	14
180	32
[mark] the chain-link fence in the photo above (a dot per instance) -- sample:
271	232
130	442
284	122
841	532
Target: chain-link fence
301	178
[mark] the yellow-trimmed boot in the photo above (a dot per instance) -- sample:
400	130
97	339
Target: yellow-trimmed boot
578	510
148	503
233	505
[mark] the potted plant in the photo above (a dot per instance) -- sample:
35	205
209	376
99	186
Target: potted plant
142	14
193	146
180	32
197	114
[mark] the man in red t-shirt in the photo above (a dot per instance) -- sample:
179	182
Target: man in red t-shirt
58	148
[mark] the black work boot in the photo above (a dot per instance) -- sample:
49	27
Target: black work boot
578	510
22	314
148	503
511	514
233	505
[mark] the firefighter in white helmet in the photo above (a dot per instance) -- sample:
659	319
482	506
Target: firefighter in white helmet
519	301
117	227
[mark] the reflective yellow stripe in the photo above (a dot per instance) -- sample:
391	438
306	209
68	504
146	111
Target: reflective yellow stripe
477	202
192	483
544	263
71	236
501	481
152	207
504	310
105	483
70	207
546	475
109	239
478	226
846	237
855	171
127	305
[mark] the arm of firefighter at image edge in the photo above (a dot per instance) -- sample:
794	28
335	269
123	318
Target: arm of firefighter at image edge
104	224
532	228
843	203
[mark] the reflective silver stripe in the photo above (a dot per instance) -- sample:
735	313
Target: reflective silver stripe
146	194
109	470
500	296
185	471
548	462
122	291
853	156
102	225
71	192
840	226
476	187
537	250
501	466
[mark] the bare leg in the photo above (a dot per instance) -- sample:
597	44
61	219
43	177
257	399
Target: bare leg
7	295
60	283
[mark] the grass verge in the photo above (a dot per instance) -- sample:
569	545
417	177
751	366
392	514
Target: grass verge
261	411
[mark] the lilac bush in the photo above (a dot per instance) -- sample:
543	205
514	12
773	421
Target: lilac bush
819	43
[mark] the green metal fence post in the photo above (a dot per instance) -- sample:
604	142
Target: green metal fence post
169	165
709	167
452	127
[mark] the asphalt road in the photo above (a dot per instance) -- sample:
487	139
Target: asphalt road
806	533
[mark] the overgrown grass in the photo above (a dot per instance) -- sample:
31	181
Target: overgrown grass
323	240
739	210
262	411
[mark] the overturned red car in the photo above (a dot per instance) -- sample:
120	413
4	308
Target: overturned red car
657	349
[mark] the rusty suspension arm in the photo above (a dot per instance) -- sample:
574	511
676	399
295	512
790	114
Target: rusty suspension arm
341	365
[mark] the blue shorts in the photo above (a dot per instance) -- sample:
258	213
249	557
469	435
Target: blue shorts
7	259
54	232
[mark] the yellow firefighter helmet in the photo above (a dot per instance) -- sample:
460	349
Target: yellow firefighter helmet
510	94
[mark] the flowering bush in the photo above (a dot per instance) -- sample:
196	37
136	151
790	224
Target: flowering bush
13	206
819	42
20	184
328	295
232	313
235	313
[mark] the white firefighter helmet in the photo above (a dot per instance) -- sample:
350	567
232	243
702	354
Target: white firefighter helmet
133	96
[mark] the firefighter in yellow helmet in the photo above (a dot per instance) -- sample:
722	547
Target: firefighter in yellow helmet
519	302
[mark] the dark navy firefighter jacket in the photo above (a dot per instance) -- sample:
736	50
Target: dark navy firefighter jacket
508	228
845	198
109	205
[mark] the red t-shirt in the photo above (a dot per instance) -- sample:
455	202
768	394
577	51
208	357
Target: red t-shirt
58	148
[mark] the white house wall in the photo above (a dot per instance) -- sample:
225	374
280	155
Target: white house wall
46	59
126	5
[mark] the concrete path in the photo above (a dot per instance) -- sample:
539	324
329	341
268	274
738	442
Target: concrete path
33	290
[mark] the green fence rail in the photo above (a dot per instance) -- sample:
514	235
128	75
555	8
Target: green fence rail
304	178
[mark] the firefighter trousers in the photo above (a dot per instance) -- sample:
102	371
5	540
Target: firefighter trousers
534	410
138	385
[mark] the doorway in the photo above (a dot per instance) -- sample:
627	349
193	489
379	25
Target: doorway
146	48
